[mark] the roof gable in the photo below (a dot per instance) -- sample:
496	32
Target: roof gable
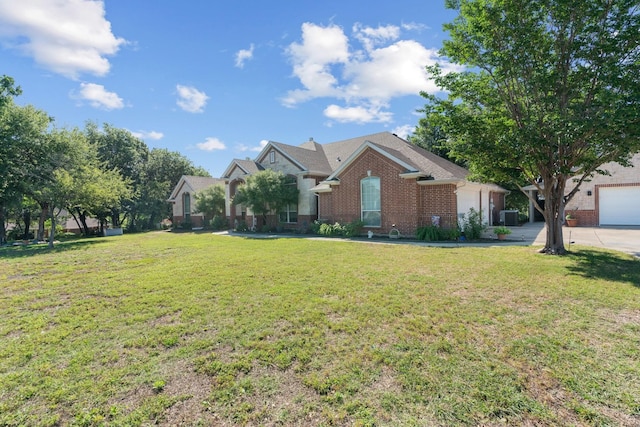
330	159
193	184
247	166
369	145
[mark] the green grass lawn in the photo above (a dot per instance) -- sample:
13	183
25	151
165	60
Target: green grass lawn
201	329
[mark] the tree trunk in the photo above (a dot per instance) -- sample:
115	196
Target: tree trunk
3	230
44	211
115	218
53	228
82	216
553	212
26	218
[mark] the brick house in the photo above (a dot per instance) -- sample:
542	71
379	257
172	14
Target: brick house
612	199
380	179
183	200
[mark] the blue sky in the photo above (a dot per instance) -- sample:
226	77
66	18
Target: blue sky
215	80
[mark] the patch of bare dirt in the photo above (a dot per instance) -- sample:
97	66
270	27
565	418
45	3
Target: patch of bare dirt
542	387
193	408
622	317
545	389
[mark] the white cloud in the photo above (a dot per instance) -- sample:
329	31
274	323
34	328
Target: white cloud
257	148
391	71
366	79
414	26
404	131
191	99
211	144
68	37
99	97
358	114
371	37
312	59
244	55
143	134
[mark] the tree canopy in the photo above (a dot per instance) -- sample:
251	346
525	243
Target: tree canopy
98	172
549	92
211	201
267	191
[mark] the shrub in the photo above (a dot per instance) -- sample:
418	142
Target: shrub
472	225
265	229
330	229
241	226
185	225
432	233
219	223
501	229
352	229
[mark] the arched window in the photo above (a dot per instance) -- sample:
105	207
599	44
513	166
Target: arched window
370	201
186	206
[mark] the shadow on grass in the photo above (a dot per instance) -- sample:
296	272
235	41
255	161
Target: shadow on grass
606	265
43	248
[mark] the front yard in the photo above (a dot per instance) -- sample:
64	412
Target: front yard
202	329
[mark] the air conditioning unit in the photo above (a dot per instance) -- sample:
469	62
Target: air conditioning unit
509	217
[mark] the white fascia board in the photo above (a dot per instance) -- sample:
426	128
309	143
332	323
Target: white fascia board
321	188
413	174
456	181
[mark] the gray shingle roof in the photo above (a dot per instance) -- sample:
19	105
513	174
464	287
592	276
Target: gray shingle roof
198	183
325	159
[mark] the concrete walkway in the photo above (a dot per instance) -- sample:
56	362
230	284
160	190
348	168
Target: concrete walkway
624	239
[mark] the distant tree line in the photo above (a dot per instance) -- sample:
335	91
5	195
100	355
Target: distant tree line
103	173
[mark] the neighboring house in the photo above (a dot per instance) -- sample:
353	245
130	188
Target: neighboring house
183	198
605	199
69	225
380	179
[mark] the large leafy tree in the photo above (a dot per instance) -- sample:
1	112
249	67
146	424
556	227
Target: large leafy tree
161	174
550	92
118	149
25	153
267	191
211	201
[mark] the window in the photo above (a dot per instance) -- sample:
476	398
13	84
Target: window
272	156
289	214
186	206
370	203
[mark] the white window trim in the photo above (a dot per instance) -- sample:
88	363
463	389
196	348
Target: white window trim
362	210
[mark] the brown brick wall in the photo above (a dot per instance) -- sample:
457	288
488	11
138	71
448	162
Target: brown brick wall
438	200
403	202
586	218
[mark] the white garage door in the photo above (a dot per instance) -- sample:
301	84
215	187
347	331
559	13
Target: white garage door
620	205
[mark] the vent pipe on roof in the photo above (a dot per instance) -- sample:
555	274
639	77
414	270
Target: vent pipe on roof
310	139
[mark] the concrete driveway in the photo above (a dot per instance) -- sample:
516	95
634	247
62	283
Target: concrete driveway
624	239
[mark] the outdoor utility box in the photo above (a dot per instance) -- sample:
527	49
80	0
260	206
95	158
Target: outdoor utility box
509	217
